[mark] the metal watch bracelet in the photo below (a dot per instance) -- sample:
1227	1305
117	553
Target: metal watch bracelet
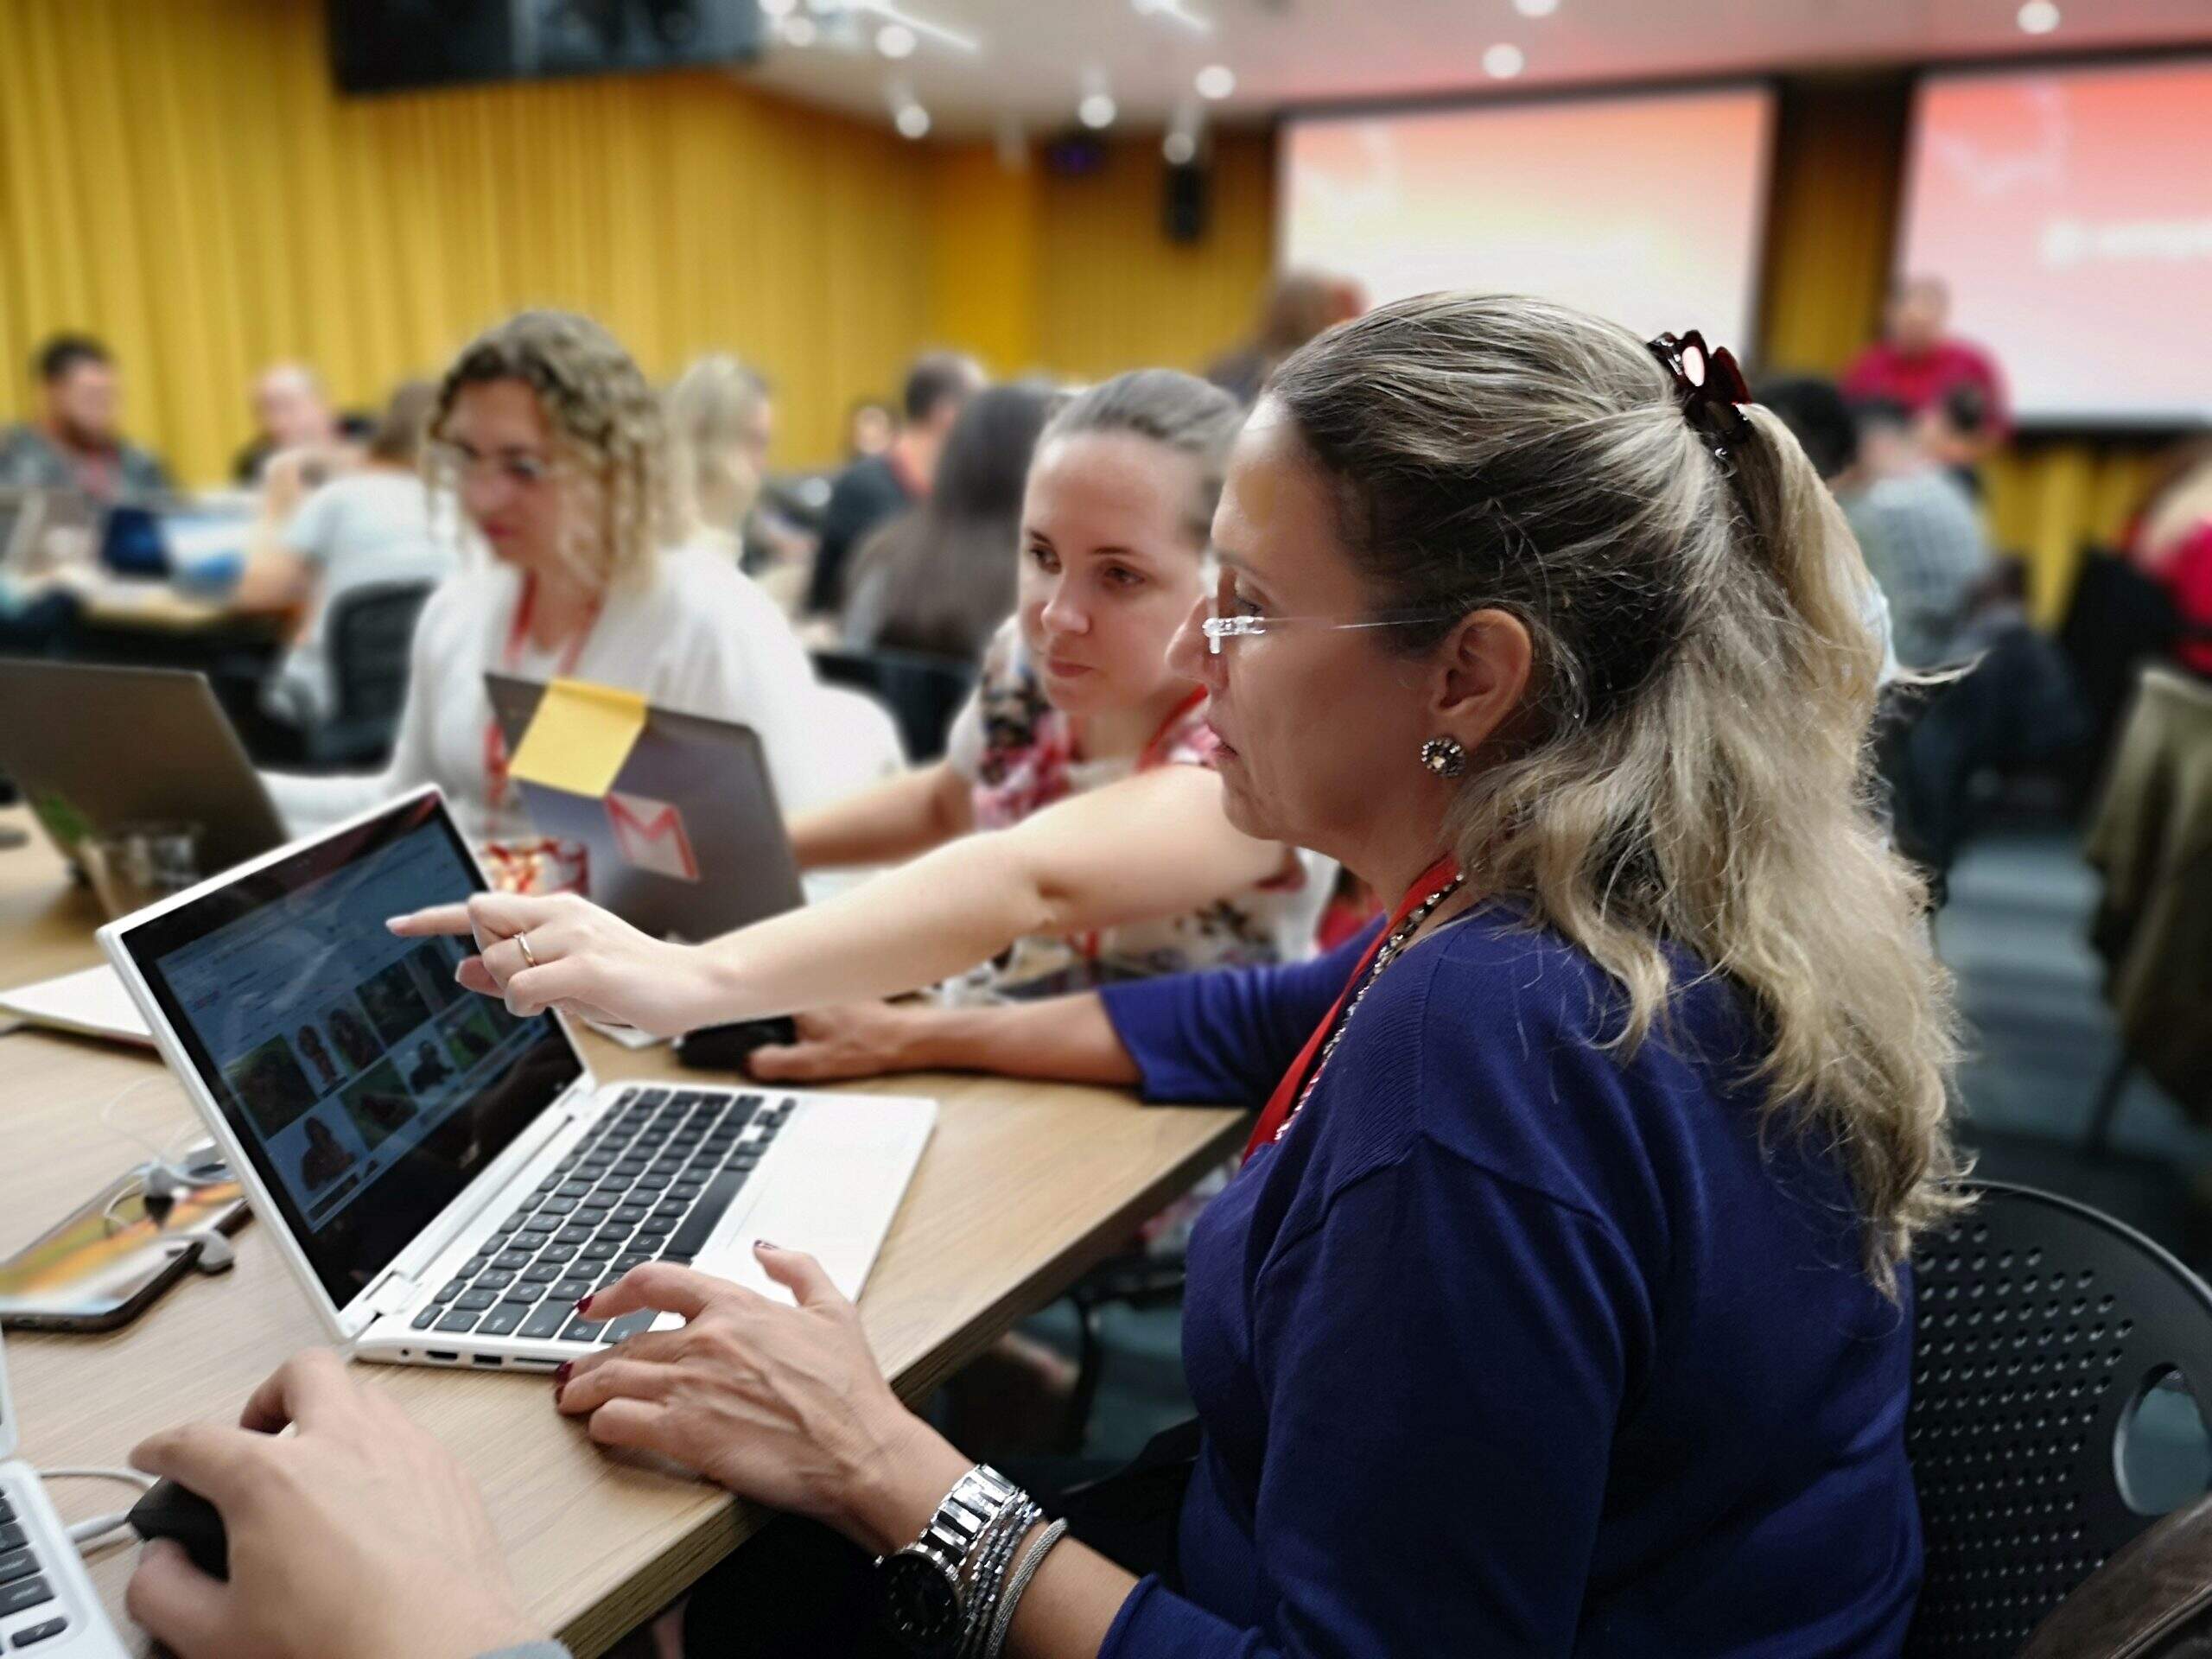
992	1555
948	1544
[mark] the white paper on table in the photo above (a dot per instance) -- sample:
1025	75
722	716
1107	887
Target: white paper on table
91	1003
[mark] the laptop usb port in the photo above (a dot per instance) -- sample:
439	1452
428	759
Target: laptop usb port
447	1356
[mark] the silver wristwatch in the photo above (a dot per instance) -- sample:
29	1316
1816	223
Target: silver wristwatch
924	1594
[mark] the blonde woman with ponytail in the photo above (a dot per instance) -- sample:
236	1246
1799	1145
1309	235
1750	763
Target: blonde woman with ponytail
1562	1305
556	450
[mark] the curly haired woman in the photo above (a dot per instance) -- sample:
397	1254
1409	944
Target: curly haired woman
555	447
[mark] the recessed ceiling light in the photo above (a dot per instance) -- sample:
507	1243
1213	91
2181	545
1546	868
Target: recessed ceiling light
1096	111
1503	60
799	31
895	40
1535	8
912	121
1216	80
2038	17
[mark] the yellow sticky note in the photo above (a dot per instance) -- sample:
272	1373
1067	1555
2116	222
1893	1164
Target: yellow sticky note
580	737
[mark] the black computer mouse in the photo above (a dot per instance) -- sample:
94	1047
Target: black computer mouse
726	1048
172	1511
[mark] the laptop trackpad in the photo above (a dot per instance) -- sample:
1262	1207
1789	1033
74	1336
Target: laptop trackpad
835	1182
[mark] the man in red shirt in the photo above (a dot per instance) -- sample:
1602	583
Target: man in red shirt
1916	364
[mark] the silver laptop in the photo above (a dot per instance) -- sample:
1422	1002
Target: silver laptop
94	747
446	1180
689	842
46	1603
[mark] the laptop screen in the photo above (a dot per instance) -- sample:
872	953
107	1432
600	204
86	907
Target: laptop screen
366	1085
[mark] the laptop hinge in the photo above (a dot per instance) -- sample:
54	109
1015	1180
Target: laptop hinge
392	1294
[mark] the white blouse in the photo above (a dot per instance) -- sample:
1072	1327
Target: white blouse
698	638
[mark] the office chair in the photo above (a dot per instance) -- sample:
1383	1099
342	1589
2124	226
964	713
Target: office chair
371	633
2040	1325
922	693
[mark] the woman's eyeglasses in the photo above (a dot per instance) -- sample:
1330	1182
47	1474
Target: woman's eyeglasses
520	467
1227	622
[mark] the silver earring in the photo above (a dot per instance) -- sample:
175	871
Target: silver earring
1444	756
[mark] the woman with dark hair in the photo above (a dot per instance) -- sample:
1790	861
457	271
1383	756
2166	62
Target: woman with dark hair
1561	1305
941	578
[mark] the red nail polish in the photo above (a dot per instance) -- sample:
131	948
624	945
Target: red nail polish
567	1370
583	1303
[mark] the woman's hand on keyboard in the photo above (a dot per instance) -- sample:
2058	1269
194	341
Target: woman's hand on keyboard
783	1405
582	960
356	1537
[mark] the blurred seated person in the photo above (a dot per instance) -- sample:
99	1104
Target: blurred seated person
1297	306
941	578
1919	532
870	425
1822	422
2171	541
555	446
1955	432
368	527
721	419
877	487
1915	363
290	412
2177	503
2187	577
2016	707
74	440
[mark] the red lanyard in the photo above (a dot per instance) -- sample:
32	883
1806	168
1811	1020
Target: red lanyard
1156	750
495	741
1284	1102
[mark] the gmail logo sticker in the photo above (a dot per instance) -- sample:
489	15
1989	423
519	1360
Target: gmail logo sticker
650	834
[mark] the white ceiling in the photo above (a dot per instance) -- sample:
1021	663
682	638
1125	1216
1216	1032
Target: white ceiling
1036	55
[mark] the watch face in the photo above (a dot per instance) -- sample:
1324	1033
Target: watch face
921	1605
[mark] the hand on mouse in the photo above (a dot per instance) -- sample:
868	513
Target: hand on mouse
854	1040
357	1537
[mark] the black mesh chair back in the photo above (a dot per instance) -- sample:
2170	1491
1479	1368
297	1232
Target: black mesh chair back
371	634
922	693
2039	1325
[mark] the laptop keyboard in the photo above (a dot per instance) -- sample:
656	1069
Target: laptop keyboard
22	1582
647	1184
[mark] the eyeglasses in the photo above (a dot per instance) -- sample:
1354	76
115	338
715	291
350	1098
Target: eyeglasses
520	467
1226	622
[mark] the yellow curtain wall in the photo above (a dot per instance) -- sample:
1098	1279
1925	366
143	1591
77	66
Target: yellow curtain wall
181	177
1075	275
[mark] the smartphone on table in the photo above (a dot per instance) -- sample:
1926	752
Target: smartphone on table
105	1264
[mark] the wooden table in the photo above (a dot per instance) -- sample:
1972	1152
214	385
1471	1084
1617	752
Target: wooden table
1022	1186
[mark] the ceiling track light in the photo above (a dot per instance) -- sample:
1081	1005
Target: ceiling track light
1174	11
892	16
